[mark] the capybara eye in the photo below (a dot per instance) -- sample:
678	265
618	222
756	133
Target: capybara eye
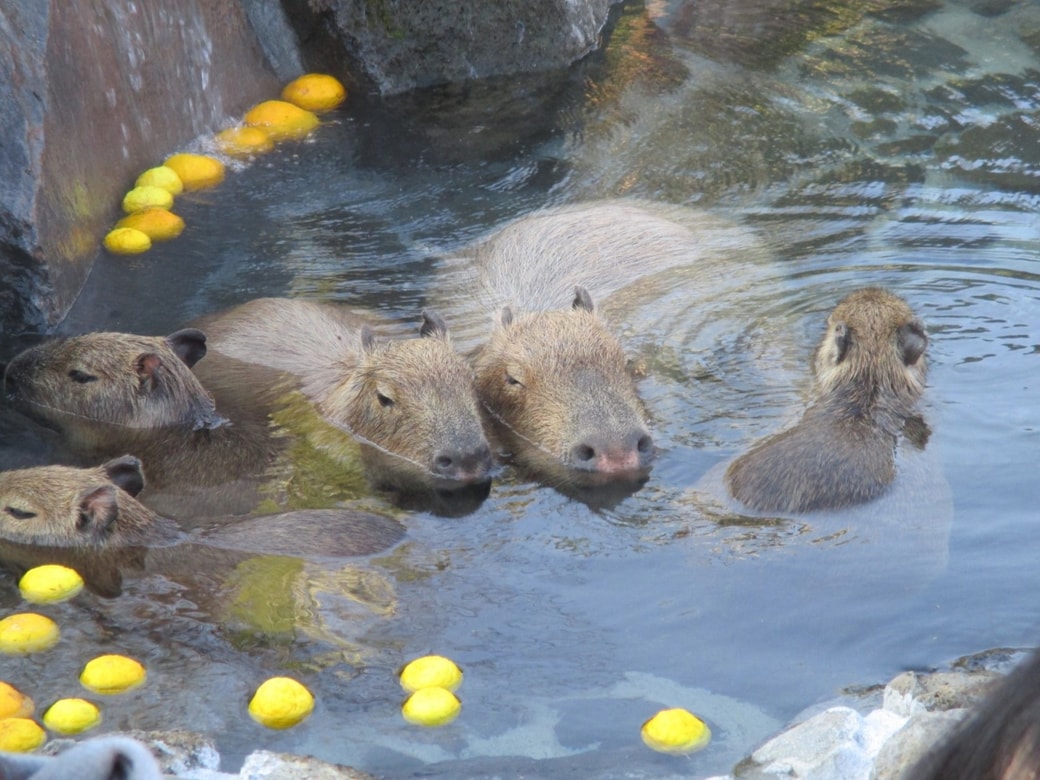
384	400
512	380
19	514
842	340
81	376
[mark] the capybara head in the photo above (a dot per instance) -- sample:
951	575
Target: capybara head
414	399
560	381
875	344
62	506
114	378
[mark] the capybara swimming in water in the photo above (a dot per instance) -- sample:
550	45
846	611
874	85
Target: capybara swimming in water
537	368
869	375
90	519
412	398
554	378
122	379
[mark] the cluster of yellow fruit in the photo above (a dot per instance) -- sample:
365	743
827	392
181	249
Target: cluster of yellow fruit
31	632
147	206
431	682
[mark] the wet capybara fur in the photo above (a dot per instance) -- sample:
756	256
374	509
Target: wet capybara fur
869	375
575	403
90	519
123	379
412	398
559	382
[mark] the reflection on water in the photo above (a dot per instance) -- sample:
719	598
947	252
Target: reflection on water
881	144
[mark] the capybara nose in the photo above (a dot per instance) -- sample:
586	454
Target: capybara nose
606	454
471	466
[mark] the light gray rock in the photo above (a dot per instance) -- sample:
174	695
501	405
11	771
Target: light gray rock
912	692
265	765
903	749
836	744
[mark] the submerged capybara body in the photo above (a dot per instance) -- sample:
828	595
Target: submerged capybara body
556	379
90	519
412	398
869	375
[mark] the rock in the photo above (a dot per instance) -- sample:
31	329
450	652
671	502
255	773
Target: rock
911	692
72	72
402	46
836	744
904	748
265	765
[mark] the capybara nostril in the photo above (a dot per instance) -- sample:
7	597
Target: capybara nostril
584	454
443	464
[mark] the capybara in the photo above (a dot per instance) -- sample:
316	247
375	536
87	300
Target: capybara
1000	740
556	380
122	379
91	520
869	375
560	381
110	393
412	397
64	506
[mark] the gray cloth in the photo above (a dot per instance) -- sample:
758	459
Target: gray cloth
103	758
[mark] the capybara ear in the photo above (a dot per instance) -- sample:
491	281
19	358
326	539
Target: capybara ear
146	366
98	507
433	324
188	344
912	342
582	299
842	341
126	473
368	338
505	317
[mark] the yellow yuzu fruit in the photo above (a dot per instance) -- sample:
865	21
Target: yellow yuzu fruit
196	171
27	632
14	703
161	176
280	703
127	241
314	92
431	671
431	707
675	731
21	735
281	119
112	673
50	583
71	716
244	141
158	224
145	197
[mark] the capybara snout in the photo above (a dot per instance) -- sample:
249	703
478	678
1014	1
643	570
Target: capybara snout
603	453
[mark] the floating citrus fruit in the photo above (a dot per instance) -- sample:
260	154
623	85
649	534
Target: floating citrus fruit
158	224
676	731
14	703
112	673
281	119
27	632
431	707
281	703
146	197
50	583
72	716
314	92
20	735
244	141
127	241
161	176
431	671
196	171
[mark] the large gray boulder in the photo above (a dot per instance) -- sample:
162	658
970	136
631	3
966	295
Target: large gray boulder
397	46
